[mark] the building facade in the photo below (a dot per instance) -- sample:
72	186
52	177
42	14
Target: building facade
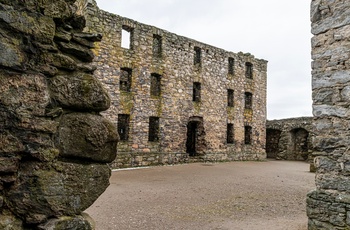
175	99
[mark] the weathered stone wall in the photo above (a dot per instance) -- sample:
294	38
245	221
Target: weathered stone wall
54	145
289	139
174	106
328	207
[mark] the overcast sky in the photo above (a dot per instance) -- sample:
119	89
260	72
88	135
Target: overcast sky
275	30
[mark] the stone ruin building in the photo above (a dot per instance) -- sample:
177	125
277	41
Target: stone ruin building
175	99
328	206
186	100
54	144
289	139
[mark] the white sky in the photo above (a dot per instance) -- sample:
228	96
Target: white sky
275	30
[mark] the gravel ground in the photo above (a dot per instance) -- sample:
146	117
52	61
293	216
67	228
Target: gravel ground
237	195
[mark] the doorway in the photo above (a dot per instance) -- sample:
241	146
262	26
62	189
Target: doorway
272	142
300	143
195	142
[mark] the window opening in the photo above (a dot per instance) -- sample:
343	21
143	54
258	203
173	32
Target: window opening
157	45
125	79
248	98
197	56
249	70
247	135
196	92
231	63
153	132
155	84
123	126
127	35
230	135
230	98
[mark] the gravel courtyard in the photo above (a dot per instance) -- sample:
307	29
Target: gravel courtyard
224	196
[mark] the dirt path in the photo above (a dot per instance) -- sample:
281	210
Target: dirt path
237	195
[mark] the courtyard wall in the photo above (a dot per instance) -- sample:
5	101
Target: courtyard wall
289	139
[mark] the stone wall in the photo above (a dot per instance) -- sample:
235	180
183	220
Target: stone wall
289	139
182	66
328	207
54	144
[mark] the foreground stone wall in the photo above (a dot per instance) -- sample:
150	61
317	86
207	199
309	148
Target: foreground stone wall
328	207
179	63
289	139
54	145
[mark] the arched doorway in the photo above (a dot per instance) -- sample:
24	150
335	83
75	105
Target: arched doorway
272	142
195	143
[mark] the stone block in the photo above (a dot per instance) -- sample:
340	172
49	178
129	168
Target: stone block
87	136
314	224
25	95
10	222
329	15
333	181
56	9
60	61
343	198
10	144
41	27
62	189
323	96
325	164
67	222
337	219
330	110
9	164
82	53
330	79
329	143
348	218
80	92
45	154
12	56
